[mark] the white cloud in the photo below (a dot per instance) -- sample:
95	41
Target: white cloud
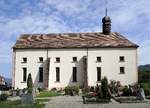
70	7
33	24
144	52
5	53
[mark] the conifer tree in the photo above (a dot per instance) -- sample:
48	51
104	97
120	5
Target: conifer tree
29	83
104	88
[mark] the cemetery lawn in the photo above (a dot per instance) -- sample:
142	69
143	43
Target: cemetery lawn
17	104
48	94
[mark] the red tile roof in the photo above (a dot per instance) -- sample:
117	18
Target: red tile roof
73	40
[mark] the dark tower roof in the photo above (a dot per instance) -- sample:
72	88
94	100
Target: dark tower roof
106	29
106	19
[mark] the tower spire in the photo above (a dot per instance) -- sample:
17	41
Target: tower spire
106	11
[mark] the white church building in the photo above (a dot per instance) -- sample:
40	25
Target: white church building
59	60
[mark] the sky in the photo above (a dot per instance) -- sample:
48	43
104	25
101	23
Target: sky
131	18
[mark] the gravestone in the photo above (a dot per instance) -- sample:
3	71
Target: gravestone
20	92
34	93
141	94
14	93
26	98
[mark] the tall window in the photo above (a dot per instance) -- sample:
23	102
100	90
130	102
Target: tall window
57	59
122	70
74	74
24	60
24	74
57	74
98	73
121	59
40	59
40	74
98	59
74	59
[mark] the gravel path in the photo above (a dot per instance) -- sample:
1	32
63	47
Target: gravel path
76	102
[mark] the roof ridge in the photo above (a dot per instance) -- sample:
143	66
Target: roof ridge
61	33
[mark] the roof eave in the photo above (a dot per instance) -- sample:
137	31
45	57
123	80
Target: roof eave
75	47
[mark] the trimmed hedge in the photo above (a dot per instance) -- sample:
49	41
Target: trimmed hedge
72	90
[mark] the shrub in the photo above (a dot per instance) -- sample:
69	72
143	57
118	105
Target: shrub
40	89
67	90
91	89
71	90
60	90
3	97
75	89
53	89
29	83
134	89
85	90
112	86
126	91
146	88
97	88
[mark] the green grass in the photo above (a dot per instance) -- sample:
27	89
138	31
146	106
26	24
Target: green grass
48	94
39	103
17	104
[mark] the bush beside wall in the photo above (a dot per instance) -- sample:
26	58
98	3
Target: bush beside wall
71	90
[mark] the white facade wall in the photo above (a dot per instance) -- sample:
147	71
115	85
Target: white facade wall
32	66
66	64
110	65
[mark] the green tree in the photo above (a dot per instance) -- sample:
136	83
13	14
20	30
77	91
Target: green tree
104	88
29	83
144	76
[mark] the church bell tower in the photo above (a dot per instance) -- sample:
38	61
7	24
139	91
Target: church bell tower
106	24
